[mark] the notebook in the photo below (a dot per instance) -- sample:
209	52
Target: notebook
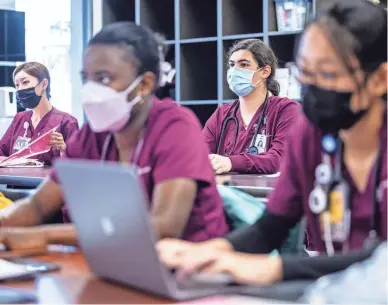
10	270
17	268
22	158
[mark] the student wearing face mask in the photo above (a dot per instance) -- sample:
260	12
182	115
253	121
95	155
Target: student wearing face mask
248	135
128	124
335	167
32	82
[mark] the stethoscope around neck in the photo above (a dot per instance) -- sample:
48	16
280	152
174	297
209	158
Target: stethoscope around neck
252	148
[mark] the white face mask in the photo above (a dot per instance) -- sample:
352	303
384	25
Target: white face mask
107	109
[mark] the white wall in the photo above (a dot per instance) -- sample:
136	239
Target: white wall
7	4
76	52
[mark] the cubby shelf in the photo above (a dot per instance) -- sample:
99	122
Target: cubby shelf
283	47
159	16
12	44
276	33
242	18
198	34
198	71
198	19
196	40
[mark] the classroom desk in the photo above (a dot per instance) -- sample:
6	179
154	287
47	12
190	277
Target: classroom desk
75	284
23	177
255	185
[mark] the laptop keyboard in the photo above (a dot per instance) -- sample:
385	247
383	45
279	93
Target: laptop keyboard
202	280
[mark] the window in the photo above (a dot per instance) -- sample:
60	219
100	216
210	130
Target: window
48	39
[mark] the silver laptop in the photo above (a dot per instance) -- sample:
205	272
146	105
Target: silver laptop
109	210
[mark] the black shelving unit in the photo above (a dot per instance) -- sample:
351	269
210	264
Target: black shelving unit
198	59
12	44
198	34
239	18
159	16
283	47
199	19
114	10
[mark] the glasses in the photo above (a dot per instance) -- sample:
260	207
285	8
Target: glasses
305	75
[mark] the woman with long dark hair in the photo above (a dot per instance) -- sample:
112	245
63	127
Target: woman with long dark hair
249	135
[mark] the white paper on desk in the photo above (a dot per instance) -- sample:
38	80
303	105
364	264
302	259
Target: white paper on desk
273	175
22	162
9	270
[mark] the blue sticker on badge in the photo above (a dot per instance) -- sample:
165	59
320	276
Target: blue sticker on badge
253	150
329	144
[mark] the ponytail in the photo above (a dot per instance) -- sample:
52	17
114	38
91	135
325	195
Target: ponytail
273	86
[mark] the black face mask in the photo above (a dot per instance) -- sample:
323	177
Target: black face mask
329	110
27	98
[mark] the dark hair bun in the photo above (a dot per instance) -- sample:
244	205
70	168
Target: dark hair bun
367	23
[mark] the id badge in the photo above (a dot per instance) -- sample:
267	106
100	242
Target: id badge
261	143
338	214
21	142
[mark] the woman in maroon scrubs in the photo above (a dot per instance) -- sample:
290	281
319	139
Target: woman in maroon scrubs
335	169
249	135
128	124
32	82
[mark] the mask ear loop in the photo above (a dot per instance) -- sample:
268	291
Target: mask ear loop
255	85
132	87
41	95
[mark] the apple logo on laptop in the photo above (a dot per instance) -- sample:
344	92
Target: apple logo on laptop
107	226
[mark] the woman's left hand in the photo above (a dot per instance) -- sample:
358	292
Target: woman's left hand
251	269
57	141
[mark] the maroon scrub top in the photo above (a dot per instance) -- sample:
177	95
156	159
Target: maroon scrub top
293	187
173	148
281	113
67	126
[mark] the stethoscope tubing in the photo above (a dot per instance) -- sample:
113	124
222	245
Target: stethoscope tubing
262	120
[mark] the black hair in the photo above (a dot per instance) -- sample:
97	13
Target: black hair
263	55
37	70
144	46
356	27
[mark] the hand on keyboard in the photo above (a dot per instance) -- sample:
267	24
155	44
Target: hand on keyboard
204	280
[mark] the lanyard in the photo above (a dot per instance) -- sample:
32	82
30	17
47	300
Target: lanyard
233	117
262	120
252	149
136	155
376	206
375	220
333	181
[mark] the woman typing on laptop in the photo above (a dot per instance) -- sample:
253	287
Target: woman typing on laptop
335	169
127	124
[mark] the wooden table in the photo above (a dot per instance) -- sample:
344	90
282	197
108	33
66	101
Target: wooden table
23	177
74	283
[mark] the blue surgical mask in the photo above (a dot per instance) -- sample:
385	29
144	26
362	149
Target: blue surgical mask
240	80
